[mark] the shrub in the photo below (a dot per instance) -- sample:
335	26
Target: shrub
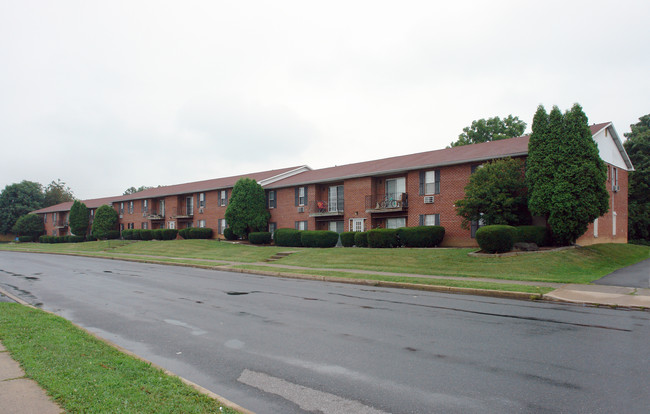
104	223
25	239
44	239
229	234
112	235
361	239
196	233
168	234
156	234
533	234
288	238
383	238
73	239
421	236
29	225
319	238
127	234
260	237
496	238
347	238
146	234
185	233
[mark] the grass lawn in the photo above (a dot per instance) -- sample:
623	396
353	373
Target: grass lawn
580	265
83	374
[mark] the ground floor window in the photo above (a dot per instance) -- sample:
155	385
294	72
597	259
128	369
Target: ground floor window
171	225
145	225
201	223
221	225
131	226
301	225
357	224
430	220
396	222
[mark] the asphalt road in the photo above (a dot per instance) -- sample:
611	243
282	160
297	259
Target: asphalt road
279	345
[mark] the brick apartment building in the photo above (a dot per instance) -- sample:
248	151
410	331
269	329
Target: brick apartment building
409	190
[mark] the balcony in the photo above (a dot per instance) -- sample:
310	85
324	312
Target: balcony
387	203
154	215
182	213
326	209
61	224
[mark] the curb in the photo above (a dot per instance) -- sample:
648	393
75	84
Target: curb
202	390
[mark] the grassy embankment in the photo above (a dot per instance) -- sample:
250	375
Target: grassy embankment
83	374
581	265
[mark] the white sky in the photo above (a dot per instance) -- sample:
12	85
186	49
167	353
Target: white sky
113	94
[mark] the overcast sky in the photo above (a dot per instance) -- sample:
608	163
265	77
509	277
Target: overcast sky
113	94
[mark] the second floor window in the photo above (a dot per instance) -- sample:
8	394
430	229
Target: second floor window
223	197
130	207
201	200
301	196
272	203
430	182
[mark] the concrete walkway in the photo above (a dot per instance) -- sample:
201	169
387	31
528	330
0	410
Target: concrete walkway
20	395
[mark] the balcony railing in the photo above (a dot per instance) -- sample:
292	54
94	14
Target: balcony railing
182	212
324	208
61	224
154	214
386	203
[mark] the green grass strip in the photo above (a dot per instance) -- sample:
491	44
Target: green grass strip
507	287
83	374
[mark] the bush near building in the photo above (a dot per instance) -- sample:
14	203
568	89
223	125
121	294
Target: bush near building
421	236
496	238
383	238
319	238
260	237
361	239
288	237
533	234
347	238
196	233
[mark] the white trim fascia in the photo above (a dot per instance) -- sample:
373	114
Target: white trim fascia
620	146
284	175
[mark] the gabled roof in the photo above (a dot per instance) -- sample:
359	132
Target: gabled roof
597	128
512	147
91	203
213	184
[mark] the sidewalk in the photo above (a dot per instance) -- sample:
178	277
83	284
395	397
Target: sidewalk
20	395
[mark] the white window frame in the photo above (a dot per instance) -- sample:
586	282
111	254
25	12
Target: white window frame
171	225
301	225
272	203
201	224
430	219
430	182
201	200
357	224
223	196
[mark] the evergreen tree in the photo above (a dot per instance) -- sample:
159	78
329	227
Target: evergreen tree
79	218
105	221
566	177
495	194
637	146
246	209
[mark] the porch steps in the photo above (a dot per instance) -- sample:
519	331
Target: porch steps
278	256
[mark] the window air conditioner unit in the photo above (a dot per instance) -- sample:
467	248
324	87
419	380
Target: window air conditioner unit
429	199
301	209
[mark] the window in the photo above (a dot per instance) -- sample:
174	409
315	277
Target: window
301	196
357	224
171	225
144	225
121	226
614	177
429	219
121	208
395	187
335	198
272	228
45	218
430	182
301	225
189	205
271	196
336	226
221	225
475	225
223	198
130	207
395	223
189	225
201	200
596	228
54	218
130	226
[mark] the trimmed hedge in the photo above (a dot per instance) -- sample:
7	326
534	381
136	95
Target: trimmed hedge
196	233
361	239
533	234
60	239
421	236
496	238
288	238
347	238
383	238
319	238
25	239
260	237
229	234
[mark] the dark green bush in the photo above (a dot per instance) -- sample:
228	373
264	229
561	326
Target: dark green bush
127	234
44	239
25	239
288	238
383	238
533	234
260	237
196	233
169	234
496	238
73	239
421	236
361	239
347	238
146	234
185	233
112	235
319	238
229	234
157	234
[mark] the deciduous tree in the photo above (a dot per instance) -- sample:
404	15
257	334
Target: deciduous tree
18	199
495	194
29	225
491	129
56	193
246	210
